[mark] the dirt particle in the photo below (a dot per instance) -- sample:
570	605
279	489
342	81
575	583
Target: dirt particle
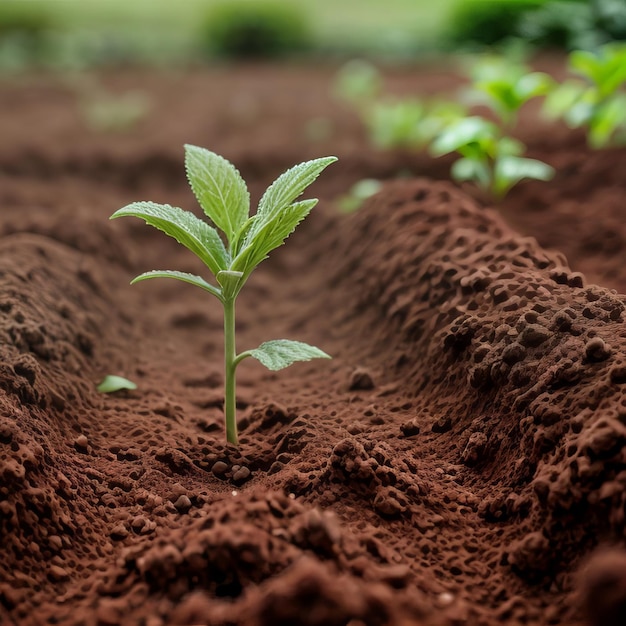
410	428
618	375
219	469
81	443
58	574
389	502
603	588
241	475
474	449
442	425
55	542
361	380
182	504
534	335
138	523
597	349
118	532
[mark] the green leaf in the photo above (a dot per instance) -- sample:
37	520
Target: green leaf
219	189
472	169
470	130
586	64
183	226
284	190
182	276
509	170
281	353
533	85
607	118
112	383
563	98
271	235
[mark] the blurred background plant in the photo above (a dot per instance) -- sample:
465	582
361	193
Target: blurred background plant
597	100
76	34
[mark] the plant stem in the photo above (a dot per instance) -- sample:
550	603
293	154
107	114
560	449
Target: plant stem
230	354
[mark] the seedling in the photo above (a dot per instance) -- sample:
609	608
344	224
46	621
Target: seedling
358	82
597	103
224	198
504	87
107	112
492	161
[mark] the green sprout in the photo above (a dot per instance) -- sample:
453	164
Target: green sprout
597	103
504	87
493	161
224	198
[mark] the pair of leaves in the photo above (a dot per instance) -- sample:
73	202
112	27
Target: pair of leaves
505	173
493	162
506	95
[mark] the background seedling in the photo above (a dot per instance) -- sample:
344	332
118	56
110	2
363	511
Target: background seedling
358	194
597	103
505	87
494	162
224	198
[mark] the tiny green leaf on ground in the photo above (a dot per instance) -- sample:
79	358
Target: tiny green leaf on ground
281	353
111	384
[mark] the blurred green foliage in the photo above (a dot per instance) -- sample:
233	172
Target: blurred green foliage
562	24
240	29
486	22
23	33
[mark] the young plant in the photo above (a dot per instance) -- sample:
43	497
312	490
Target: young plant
224	198
494	162
597	103
505	87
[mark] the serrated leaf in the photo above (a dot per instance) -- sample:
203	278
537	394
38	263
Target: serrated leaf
219	189
196	235
281	353
271	235
185	277
111	383
284	190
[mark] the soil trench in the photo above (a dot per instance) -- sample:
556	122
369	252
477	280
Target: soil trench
456	462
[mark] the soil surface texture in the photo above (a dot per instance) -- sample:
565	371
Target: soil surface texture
460	461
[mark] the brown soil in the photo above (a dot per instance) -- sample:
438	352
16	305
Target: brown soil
458	461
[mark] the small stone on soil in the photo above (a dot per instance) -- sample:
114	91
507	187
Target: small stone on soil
219	469
241	475
361	380
183	504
